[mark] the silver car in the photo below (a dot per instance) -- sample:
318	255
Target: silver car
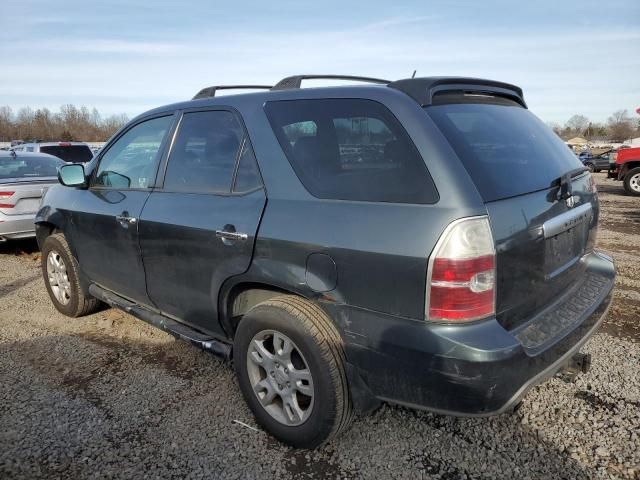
24	178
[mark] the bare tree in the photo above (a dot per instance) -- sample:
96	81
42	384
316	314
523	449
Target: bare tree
620	126
70	123
578	124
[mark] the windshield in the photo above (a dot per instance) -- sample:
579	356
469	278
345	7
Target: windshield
69	153
24	167
506	149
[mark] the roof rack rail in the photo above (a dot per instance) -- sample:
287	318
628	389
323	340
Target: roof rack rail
211	91
295	81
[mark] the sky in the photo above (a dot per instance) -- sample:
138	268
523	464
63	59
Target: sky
127	56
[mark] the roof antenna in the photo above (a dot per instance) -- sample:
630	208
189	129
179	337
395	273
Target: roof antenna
414	74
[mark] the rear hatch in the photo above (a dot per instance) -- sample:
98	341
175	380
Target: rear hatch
541	201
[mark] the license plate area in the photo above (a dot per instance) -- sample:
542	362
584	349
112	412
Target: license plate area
563	250
566	239
27	205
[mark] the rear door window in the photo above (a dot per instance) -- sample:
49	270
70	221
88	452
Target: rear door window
506	149
351	149
69	153
247	175
204	153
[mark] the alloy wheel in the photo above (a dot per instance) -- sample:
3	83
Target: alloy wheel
58	278
280	377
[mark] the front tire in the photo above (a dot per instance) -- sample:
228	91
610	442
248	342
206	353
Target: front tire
290	364
60	273
632	181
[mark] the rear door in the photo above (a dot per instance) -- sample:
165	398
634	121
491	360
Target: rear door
105	222
541	202
199	228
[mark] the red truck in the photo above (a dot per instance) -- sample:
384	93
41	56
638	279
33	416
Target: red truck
627	169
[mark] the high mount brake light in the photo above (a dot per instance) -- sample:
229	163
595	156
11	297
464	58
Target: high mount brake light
461	281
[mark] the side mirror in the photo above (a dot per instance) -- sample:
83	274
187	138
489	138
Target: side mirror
72	175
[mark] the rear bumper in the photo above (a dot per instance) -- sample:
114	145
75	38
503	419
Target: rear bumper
17	226
478	369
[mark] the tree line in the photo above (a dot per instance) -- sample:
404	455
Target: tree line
620	126
70	123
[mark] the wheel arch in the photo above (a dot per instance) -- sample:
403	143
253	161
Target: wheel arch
630	165
237	298
43	230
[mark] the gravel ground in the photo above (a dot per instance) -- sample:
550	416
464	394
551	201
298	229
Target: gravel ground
107	396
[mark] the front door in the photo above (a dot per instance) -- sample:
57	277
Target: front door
105	222
199	228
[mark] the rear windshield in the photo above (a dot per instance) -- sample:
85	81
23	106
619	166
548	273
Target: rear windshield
351	149
28	167
506	149
69	153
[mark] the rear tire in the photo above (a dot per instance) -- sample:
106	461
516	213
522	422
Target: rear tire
632	181
60	273
265	372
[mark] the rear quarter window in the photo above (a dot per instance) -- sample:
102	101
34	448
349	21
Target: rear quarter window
351	149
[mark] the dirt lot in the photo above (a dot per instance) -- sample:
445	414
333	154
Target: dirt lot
109	397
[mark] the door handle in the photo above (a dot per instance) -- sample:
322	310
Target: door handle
125	218
230	235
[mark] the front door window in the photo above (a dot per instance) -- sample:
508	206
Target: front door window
131	162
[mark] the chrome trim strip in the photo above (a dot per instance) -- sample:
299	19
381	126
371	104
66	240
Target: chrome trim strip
567	220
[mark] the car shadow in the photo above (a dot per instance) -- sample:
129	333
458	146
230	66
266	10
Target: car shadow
25	246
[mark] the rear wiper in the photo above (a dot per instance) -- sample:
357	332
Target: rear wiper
564	182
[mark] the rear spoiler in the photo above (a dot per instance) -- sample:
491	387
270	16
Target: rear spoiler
423	90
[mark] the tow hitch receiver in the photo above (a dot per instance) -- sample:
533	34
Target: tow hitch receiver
579	363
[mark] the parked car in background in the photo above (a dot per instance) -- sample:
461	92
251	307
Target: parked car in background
627	169
427	242
24	178
72	152
595	163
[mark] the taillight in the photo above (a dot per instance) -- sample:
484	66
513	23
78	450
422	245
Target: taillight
461	281
3	196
